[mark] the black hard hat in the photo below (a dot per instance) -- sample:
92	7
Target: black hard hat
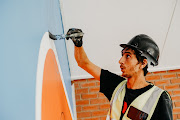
146	46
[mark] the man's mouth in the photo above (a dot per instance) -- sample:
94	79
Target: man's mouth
122	68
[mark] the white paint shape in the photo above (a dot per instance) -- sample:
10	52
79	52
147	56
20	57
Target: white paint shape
46	44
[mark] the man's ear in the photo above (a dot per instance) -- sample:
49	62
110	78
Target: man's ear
144	63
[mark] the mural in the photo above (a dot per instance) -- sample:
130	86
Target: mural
35	76
52	101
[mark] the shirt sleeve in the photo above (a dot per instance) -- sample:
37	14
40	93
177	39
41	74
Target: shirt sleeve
108	82
163	110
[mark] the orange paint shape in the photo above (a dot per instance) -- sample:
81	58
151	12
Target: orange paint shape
54	101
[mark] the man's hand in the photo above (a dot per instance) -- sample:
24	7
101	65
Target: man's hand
76	35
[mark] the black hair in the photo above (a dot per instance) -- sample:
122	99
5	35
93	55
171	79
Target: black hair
140	60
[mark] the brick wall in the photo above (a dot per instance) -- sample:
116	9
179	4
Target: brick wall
93	105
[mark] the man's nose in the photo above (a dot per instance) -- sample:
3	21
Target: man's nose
121	60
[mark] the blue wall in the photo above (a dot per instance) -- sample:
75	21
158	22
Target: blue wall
22	25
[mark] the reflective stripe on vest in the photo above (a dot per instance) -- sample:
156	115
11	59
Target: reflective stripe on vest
145	102
150	102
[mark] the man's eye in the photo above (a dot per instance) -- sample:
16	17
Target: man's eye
128	56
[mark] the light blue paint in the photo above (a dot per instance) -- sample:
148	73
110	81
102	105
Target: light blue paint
55	26
22	25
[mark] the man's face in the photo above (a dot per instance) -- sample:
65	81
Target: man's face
128	63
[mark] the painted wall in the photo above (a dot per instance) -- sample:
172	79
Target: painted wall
23	24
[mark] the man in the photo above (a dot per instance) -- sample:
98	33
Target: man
134	98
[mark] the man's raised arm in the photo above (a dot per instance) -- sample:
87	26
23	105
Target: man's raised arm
80	55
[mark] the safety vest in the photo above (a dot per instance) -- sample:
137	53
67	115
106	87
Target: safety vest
146	103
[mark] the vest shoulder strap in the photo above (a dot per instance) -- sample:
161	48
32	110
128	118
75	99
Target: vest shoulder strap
117	91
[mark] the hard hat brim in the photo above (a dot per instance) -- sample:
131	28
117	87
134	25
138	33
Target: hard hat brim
130	46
